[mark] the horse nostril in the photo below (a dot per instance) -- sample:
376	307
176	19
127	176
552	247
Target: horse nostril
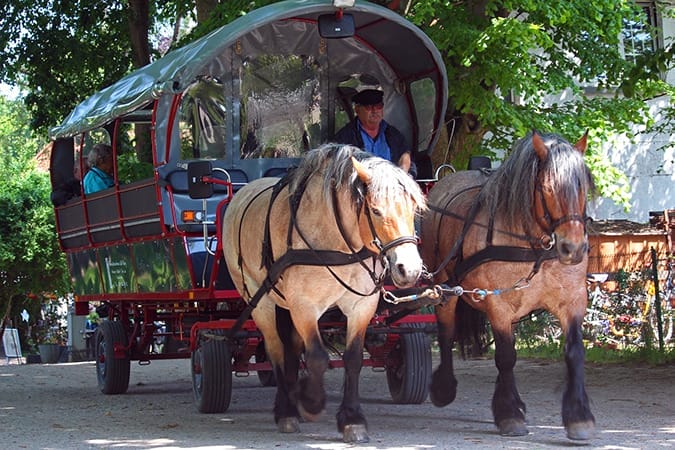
565	249
401	269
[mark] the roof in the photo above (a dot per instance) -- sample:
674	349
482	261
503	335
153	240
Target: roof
375	25
622	227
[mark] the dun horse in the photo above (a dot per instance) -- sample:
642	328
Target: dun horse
325	235
516	241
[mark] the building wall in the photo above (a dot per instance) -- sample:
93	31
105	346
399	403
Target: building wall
650	170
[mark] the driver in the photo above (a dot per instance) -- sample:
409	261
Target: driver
370	132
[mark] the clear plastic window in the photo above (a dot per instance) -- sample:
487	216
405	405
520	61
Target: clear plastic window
280	106
202	120
423	93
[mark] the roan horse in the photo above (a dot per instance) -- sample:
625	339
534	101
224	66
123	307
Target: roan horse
325	235
515	240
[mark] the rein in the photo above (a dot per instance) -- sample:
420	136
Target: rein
540	250
314	257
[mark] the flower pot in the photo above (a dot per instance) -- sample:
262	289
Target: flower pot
33	359
49	353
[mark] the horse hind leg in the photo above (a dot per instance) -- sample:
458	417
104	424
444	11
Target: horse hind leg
309	394
286	414
577	417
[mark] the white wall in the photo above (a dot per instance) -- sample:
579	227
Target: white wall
650	173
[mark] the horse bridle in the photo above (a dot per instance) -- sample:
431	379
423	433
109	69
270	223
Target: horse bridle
549	225
378	281
389	245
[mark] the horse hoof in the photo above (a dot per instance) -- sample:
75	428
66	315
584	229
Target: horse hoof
439	401
581	431
309	417
355	434
288	425
512	427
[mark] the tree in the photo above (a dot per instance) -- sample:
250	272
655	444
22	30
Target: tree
504	59
60	52
530	49
31	262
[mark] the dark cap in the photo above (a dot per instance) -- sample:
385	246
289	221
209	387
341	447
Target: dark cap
368	97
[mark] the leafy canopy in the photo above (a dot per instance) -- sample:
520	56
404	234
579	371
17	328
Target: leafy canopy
30	258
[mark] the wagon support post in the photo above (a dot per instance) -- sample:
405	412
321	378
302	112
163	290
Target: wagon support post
657	302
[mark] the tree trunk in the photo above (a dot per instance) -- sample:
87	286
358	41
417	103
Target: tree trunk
465	134
139	26
205	9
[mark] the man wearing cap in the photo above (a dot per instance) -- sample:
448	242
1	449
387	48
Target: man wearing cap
370	132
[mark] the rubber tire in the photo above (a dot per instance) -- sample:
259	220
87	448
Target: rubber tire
112	373
211	367
410	375
266	377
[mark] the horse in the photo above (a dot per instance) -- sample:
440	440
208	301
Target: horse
514	241
325	235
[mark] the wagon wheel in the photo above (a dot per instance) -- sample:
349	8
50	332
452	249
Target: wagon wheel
112	373
409	367
266	377
211	366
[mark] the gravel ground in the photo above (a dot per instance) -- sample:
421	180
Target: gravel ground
59	406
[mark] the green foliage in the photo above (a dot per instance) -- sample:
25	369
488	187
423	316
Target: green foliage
72	50
30	259
534	49
494	51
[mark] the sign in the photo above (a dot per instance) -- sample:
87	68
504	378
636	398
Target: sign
10	341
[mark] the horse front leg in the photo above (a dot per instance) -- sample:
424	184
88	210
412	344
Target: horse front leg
351	421
576	413
508	409
443	382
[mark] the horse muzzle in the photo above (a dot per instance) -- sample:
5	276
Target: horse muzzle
571	252
404	263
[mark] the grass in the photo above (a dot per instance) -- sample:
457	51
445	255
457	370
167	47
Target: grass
644	355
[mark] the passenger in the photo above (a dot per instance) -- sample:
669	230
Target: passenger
370	132
100	172
67	189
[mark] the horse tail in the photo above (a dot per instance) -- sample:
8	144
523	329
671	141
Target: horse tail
471	331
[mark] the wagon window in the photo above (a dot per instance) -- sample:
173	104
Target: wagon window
202	120
424	97
280	114
85	142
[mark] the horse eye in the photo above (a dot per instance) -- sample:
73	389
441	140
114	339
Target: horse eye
376	212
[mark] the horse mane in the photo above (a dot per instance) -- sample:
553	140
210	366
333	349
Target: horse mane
333	163
508	192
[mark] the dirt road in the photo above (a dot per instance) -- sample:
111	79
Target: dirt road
59	406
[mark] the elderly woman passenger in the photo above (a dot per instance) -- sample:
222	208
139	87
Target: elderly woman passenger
100	174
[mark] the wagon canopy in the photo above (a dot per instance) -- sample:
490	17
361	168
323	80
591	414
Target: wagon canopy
384	43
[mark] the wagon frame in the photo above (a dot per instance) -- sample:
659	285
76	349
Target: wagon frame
148	252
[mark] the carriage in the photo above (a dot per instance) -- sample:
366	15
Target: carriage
246	101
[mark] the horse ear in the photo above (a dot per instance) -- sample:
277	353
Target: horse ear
582	143
539	147
361	171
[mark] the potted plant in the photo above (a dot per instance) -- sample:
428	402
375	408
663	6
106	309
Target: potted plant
50	332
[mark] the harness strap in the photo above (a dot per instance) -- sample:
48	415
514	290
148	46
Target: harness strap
503	253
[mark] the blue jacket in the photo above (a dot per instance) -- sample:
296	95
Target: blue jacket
351	134
96	180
